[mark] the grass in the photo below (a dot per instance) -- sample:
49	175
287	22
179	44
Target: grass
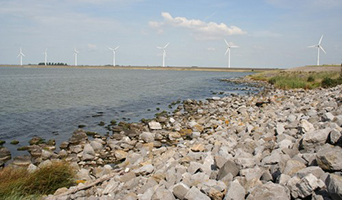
295	79
17	183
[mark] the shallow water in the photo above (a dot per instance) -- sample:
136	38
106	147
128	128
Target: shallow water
51	103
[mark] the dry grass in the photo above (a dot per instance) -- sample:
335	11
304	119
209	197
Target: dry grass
17	183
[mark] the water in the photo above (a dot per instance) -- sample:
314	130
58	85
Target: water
51	103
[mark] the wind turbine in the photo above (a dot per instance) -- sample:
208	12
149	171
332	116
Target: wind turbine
45	56
164	52
75	53
21	56
228	51
319	47
114	51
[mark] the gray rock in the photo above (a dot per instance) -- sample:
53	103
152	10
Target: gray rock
195	194
306	126
88	152
235	191
45	163
314	170
293	166
307	185
283	178
329	158
193	167
146	169
280	128
328	117
97	146
147	137
315	138
83	174
5	154
269	191
78	137
154	125
334	186
228	167
32	168
164	194
22	160
334	136
180	190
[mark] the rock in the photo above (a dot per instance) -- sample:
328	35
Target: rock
280	128
314	170
36	140
269	191
97	146
306	126
315	138
120	154
83	174
228	167
328	117
329	158
180	190
174	136
147	137
111	186
45	163
22	160
35	150
88	153
334	136
154	125
293	166
78	137
305	186
5	154
199	147
195	194
235	191
164	194
334	186
146	169
64	145
32	168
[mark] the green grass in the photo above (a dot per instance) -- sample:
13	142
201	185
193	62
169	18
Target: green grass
306	80
17	183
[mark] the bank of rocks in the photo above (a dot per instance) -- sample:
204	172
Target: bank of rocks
284	145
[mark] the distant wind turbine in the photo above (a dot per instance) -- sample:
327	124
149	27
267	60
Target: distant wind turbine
75	53
114	51
319	47
164	52
45	56
228	51
21	56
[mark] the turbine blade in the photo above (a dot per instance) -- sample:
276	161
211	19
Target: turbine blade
226	42
160	47
116	47
234	46
313	46
322	49
228	49
110	48
320	40
23	54
166	45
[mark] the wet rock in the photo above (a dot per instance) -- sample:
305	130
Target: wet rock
5	154
36	140
64	145
334	186
22	161
329	158
78	137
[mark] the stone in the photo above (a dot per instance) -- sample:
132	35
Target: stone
199	147
305	186
235	191
120	154
64	145
174	136
88	153
83	174
228	167
5	154
180	190
293	166
36	140
269	191
111	186
146	169
153	125
195	194
32	168
147	137
22	160
283	178
334	186
334	136
97	146
329	158
328	117
78	137
280	128
131	196
164	194
306	126
314	138
314	170
45	163
193	167
35	150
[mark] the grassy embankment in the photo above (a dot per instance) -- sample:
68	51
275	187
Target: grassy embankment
18	183
300	79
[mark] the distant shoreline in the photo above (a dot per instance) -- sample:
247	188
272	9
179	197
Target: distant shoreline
209	69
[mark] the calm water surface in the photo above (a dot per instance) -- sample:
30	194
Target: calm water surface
51	103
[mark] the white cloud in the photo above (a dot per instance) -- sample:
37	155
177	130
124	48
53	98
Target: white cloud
200	29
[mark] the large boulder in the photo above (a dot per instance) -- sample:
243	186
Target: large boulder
235	191
314	138
334	186
195	194
228	167
154	125
329	158
147	137
304	187
88	152
78	137
180	190
269	191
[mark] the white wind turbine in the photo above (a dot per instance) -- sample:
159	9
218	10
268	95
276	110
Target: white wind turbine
228	51
164	52
75	53
319	47
114	51
45	56
21	56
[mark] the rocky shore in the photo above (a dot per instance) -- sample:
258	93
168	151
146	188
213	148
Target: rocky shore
275	145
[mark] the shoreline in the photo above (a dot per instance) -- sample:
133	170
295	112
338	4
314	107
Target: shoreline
148	68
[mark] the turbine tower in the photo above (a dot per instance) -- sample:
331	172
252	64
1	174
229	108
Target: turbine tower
21	56
75	53
319	47
228	51
114	51
45	57
164	52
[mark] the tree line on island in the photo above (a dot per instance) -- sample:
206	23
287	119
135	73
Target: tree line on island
52	63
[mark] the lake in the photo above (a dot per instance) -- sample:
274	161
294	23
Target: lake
52	103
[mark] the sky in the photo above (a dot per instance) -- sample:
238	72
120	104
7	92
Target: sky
268	33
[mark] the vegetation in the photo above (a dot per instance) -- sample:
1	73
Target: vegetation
51	63
18	183
306	80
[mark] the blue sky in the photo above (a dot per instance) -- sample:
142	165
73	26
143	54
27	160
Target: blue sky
269	33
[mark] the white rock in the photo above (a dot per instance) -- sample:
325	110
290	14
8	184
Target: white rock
88	152
154	125
147	136
32	168
111	186
235	191
146	169
195	194
97	146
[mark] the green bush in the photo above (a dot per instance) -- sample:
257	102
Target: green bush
311	79
328	82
